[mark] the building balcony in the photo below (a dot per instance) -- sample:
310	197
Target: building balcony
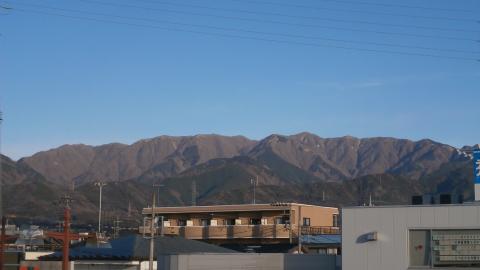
277	231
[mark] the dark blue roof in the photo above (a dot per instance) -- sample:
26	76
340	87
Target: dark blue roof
135	247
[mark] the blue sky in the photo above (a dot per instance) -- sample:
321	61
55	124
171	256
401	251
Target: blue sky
90	80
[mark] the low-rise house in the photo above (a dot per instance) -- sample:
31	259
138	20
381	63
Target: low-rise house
126	253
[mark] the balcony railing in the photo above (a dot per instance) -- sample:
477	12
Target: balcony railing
277	231
314	230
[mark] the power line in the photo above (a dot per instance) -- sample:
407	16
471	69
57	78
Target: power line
281	22
252	38
253	31
310	17
386	5
359	11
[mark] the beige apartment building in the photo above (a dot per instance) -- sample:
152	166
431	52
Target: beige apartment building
245	223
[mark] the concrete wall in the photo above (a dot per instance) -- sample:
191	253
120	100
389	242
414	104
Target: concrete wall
309	261
392	225
47	265
33	255
87	265
106	265
246	261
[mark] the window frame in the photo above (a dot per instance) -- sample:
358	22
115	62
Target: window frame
306	220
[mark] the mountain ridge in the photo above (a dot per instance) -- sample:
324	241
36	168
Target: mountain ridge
299	167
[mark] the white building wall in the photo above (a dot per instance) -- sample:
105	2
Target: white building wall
243	261
390	251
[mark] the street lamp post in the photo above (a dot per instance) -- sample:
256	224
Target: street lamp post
100	185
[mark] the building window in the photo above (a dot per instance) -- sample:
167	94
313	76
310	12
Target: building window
335	220
230	221
306	221
444	248
264	221
255	221
205	222
182	222
282	220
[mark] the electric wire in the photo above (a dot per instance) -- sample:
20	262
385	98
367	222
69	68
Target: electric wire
280	22
311	17
250	37
377	4
359	11
250	31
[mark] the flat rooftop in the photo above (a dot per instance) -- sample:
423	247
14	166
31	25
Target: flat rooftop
228	208
477	203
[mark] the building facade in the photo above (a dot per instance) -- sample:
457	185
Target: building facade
246	223
411	237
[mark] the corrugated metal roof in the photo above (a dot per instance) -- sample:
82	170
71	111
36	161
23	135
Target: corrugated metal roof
324	239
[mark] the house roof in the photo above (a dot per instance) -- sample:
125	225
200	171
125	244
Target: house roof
227	208
135	247
323	239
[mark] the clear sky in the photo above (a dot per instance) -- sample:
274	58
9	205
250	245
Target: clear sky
71	74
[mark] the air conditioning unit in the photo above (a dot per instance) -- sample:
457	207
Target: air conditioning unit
371	236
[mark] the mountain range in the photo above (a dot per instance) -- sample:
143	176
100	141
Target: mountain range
302	167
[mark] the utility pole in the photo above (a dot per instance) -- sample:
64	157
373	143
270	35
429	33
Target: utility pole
66	233
116	228
194	193
129	211
100	185
152	233
2	215
152	225
254	182
65	237
299	229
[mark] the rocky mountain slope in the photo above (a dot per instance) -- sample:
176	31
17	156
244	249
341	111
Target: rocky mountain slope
303	167
161	157
348	157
